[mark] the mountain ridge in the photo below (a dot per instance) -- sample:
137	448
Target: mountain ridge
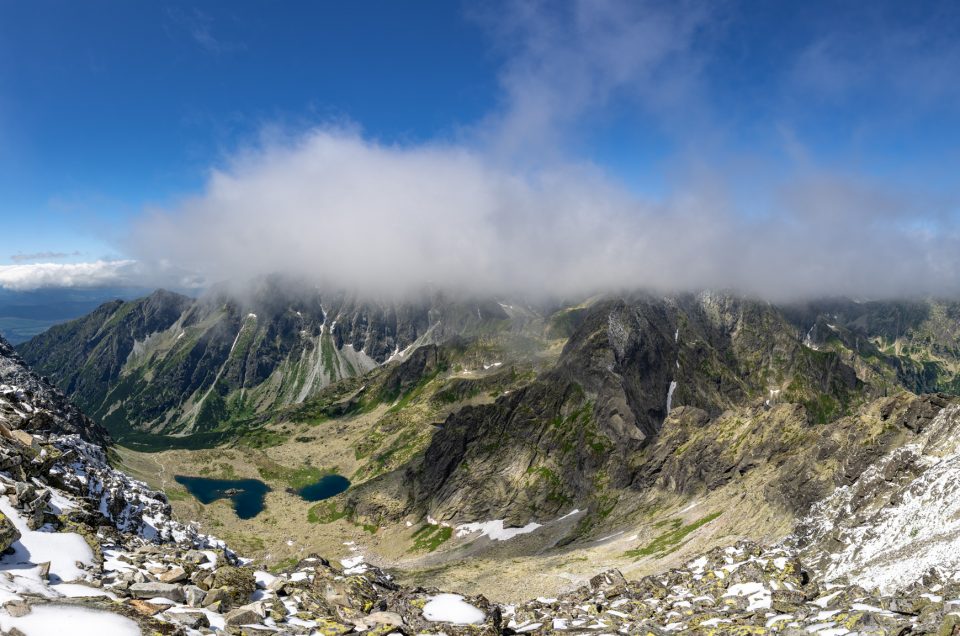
578	426
217	358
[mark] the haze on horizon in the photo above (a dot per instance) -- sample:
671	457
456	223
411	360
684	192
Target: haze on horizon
672	146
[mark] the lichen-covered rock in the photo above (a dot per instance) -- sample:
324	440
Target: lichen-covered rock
8	532
237	584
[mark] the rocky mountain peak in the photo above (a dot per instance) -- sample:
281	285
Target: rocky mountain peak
30	403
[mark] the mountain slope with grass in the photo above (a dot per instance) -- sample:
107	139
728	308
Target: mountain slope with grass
167	364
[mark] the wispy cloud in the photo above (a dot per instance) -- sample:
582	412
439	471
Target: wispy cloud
20	257
569	61
911	60
199	26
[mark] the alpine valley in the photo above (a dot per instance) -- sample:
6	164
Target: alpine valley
292	460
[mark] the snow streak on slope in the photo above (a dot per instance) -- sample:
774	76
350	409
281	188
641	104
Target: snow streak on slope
673	387
899	519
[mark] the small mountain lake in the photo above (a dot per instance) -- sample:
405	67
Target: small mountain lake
247	495
326	487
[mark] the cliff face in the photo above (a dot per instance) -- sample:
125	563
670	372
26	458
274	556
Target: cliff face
602	415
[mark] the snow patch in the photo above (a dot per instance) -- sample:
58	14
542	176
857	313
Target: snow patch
495	529
55	619
62	549
451	608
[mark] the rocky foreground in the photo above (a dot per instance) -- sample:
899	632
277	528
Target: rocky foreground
188	584
179	582
737	590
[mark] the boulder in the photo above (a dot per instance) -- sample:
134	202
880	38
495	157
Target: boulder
170	591
17	608
8	532
238	583
191	620
193	595
242	616
176	574
384	618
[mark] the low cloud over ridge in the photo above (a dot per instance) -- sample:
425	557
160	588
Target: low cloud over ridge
353	212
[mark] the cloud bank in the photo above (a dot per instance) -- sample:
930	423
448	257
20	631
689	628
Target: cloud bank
352	212
42	256
24	277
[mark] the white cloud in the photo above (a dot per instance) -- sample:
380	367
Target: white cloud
567	63
99	273
351	212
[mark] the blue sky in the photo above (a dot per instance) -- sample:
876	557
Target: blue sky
112	113
107	106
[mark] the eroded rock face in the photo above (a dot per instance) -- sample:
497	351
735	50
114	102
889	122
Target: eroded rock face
600	413
899	520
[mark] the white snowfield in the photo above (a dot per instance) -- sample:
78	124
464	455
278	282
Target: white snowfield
495	529
21	575
44	620
451	608
901	518
62	549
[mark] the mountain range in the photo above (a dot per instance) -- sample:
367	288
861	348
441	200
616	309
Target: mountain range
782	469
531	408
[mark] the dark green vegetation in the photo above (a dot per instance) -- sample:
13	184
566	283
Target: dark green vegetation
671	539
326	512
430	537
